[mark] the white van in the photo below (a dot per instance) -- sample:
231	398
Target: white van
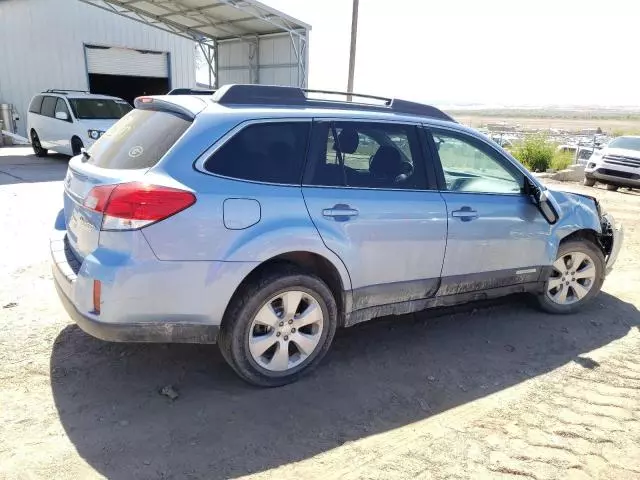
66	121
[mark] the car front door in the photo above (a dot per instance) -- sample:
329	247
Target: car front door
374	204
61	129
47	123
496	236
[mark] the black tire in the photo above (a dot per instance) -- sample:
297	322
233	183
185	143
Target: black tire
37	146
589	182
612	188
76	146
233	339
595	254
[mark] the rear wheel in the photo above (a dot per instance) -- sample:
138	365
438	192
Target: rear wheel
279	327
577	277
76	146
612	188
37	146
589	182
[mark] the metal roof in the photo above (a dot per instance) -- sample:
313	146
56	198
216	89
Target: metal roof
206	19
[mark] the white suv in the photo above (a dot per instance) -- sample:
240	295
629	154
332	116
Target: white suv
66	121
616	165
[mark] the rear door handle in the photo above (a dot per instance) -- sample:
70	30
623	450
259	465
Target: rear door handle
465	213
340	210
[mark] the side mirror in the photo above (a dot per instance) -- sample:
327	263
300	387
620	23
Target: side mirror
547	207
62	116
544	201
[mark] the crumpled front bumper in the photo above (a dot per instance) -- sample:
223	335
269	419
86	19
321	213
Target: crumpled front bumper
617	231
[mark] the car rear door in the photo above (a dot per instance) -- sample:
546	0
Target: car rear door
61	129
368	193
496	236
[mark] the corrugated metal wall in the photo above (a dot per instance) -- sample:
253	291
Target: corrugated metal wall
268	60
42	46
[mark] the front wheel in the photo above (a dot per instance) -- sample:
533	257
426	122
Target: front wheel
76	146
576	278
612	188
279	327
589	182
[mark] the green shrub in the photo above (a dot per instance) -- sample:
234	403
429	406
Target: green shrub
534	153
562	160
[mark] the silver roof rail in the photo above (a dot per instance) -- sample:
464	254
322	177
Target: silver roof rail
293	96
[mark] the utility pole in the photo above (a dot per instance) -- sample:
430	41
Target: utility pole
352	52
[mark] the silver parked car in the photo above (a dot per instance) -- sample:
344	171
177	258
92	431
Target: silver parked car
616	165
262	219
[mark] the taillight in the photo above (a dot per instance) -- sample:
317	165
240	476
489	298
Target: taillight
129	206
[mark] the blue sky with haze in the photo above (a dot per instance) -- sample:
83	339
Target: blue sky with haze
492	52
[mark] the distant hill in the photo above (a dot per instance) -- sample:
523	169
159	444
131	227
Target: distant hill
577	113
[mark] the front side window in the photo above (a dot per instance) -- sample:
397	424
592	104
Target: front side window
48	106
367	155
272	152
61	106
471	167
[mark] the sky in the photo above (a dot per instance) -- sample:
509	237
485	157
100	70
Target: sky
489	52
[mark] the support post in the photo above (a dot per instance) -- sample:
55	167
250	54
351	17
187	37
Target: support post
352	52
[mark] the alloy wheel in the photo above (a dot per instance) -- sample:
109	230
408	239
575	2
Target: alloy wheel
573	276
286	331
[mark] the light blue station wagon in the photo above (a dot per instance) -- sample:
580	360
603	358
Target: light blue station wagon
262	218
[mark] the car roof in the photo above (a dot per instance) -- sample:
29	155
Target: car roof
250	112
243	108
79	95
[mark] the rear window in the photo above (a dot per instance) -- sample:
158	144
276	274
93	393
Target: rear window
138	140
271	152
36	103
91	108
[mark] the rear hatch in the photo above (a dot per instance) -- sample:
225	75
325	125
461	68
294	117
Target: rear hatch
121	156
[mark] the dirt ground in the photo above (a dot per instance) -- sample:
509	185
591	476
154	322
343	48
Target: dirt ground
492	391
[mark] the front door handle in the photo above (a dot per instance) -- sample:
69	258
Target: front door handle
465	214
340	211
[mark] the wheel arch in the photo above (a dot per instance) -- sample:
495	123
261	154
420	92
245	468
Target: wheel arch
582	234
336	278
75	138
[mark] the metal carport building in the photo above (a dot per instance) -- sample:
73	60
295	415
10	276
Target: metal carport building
142	47
244	41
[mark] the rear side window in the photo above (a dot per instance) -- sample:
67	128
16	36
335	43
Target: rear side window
271	152
138	140
36	103
367	155
48	106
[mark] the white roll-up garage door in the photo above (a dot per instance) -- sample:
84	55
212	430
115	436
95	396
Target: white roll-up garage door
123	61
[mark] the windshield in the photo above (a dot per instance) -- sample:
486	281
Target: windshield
630	143
91	108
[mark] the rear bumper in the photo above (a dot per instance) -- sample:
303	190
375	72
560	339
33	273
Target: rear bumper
143	299
138	332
